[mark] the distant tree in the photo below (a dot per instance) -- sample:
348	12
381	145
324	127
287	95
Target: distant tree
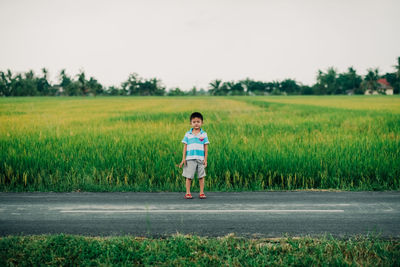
202	92
327	82
11	83
215	87
257	87
66	84
175	92
132	85
144	87
160	89
65	80
193	91
273	86
349	80
82	83
246	83
5	89
397	67
43	85
393	80
26	85
306	90
276	91
112	90
289	86
254	87
333	86
3	84
235	88
94	86
225	88
74	89
319	87
149	87
370	81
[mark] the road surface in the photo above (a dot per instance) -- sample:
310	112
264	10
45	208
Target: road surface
247	214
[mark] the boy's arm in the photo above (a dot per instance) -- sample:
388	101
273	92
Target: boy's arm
183	162
184	151
205	152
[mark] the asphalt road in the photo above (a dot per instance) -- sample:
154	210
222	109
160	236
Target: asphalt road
247	214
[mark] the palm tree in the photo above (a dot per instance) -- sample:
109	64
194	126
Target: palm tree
247	84
45	72
82	83
370	81
132	85
43	86
64	79
397	67
215	87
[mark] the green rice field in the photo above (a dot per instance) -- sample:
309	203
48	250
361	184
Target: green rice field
256	143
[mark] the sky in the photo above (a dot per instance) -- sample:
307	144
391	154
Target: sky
187	43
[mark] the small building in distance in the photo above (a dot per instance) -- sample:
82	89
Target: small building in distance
384	87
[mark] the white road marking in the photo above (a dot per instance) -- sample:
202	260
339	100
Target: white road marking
224	206
198	211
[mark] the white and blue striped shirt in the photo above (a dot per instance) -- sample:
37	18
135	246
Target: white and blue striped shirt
195	144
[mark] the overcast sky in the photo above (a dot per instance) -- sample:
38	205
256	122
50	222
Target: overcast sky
186	43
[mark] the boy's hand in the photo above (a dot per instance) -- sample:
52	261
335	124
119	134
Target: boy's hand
205	163
182	162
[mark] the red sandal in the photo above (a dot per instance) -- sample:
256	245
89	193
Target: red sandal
202	196
188	196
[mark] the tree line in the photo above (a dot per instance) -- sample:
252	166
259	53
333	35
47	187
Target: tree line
330	82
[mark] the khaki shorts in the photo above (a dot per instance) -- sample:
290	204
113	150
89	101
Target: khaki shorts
193	165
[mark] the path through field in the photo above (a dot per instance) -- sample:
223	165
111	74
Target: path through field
249	214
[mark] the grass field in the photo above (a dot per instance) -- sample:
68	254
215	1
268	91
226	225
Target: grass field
256	143
188	250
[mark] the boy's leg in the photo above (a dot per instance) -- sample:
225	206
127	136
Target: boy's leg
201	182
188	171
201	173
188	183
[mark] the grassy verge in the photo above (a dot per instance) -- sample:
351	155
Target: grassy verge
187	250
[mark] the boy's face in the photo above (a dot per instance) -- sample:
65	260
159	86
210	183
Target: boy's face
196	123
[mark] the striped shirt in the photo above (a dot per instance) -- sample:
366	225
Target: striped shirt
195	144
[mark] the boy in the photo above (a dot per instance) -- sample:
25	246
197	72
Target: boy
195	150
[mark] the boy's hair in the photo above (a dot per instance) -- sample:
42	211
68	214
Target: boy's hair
196	115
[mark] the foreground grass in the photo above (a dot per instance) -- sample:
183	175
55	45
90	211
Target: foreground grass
187	250
256	143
